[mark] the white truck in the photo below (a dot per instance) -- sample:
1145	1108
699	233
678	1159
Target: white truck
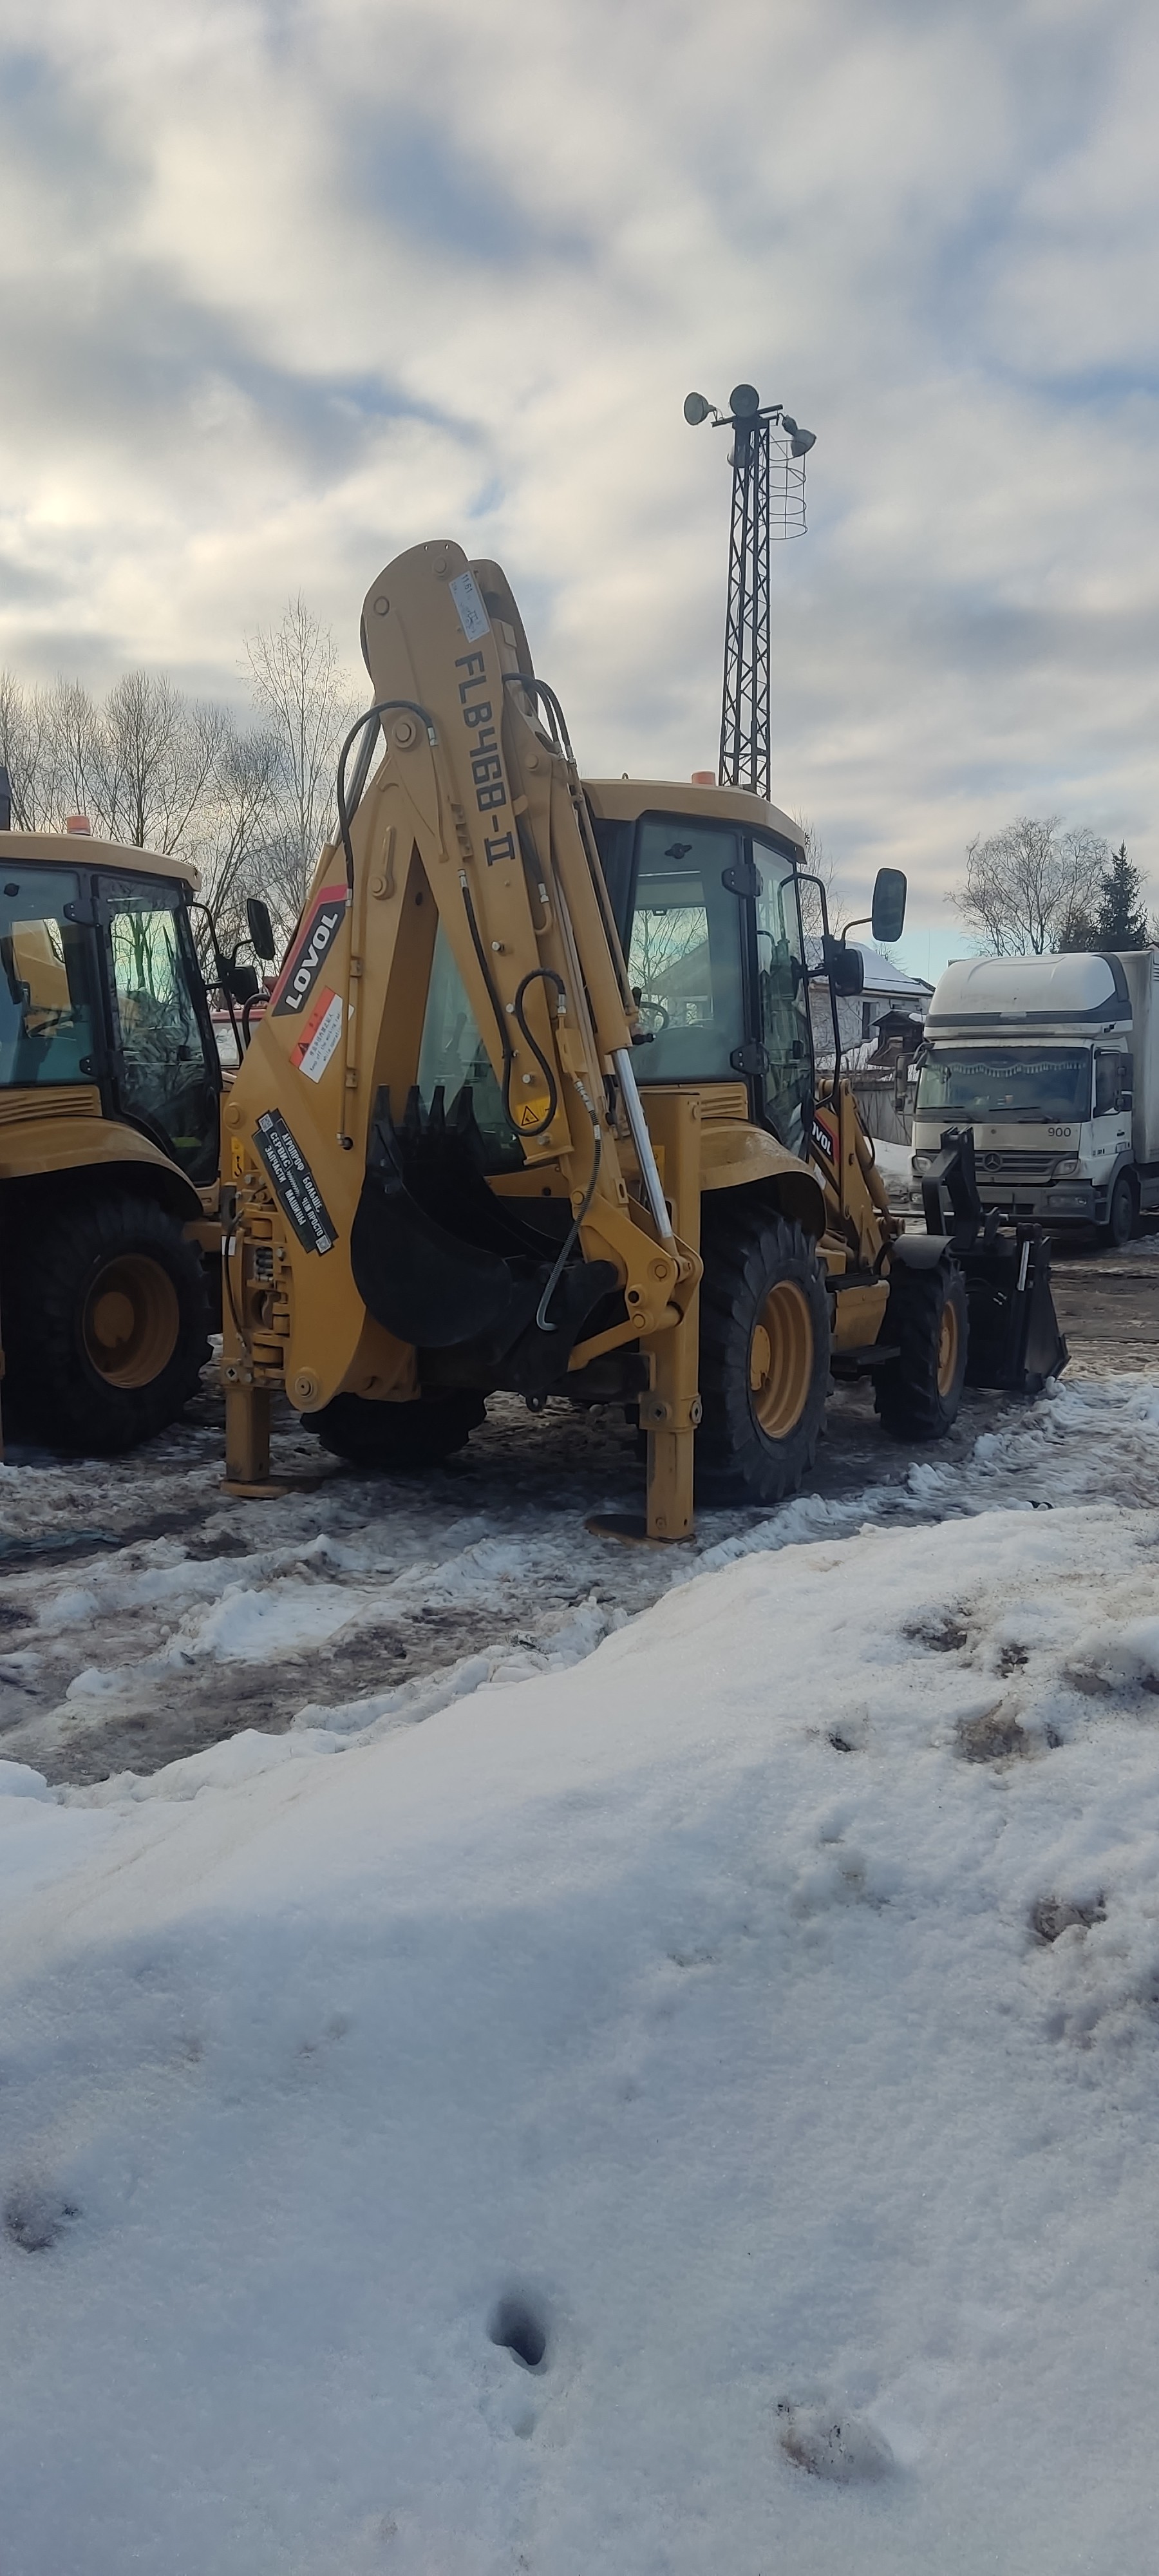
1053	1062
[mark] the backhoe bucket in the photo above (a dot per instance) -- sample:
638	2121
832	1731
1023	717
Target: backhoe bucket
446	1265
1015	1343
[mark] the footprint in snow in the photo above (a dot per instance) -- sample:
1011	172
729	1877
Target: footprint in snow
35	2216
833	2445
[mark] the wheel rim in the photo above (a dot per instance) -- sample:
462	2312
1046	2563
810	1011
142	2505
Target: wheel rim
781	1360
131	1321
949	1337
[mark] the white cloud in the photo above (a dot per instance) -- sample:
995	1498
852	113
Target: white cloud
285	288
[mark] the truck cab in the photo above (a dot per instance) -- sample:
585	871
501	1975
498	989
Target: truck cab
1048	1062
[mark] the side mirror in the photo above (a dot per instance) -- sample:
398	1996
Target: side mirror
845	968
1126	1100
888	916
242	983
261	931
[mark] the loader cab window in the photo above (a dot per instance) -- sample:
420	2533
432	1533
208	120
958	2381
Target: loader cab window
685	951
46	1016
166	1072
452	1053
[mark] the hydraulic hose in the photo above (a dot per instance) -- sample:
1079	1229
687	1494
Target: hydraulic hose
543	974
560	1264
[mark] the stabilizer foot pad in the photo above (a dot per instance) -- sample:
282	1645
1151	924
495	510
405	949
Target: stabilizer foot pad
273	1490
630	1529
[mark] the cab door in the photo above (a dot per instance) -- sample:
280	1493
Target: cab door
166	1075
1111	1118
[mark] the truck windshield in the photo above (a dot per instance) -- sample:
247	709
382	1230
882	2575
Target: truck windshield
1020	1086
46	1020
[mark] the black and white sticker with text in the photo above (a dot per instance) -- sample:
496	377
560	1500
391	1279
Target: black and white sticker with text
473	616
294	1183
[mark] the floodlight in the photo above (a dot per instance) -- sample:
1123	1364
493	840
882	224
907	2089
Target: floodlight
744	402
802	440
696	409
788	424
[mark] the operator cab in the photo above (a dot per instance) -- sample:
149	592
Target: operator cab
99	985
708	911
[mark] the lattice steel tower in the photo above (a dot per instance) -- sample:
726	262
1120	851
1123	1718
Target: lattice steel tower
759	431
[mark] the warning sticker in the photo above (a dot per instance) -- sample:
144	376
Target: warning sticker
313	1050
532	1110
294	1182
473	616
303	966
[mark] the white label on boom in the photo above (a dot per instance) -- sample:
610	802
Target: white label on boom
473	616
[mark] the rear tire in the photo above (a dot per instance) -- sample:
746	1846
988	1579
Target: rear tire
105	1323
396	1437
764	1355
918	1394
1122	1215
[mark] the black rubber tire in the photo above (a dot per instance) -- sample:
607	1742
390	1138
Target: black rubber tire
54	1391
748	1253
397	1437
1122	1215
911	1402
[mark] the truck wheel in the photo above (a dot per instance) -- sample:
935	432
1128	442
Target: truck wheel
1120	1225
392	1436
918	1394
764	1355
106	1325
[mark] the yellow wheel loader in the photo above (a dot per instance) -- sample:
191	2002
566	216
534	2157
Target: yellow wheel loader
533	1106
109	1125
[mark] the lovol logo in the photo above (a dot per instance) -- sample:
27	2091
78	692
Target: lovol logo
303	967
824	1140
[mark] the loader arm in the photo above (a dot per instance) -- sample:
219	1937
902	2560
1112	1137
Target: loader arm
363	1225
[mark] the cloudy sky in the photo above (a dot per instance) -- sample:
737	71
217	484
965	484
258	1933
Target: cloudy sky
287	287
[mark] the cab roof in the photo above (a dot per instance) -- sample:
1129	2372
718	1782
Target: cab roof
623	800
82	850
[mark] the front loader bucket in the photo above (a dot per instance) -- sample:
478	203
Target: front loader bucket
1015	1342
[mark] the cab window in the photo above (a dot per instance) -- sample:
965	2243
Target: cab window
684	951
784	997
46	1018
452	1053
167	1073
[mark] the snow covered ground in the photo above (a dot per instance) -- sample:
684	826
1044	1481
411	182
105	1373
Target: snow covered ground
692	2108
149	1615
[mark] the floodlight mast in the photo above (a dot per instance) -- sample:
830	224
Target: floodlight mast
745	726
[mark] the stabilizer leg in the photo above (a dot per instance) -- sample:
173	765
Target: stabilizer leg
247	1441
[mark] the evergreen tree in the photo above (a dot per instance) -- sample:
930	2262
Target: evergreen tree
1121	920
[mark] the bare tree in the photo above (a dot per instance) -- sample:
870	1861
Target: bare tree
819	864
26	752
235	822
1031	887
74	734
304	695
156	757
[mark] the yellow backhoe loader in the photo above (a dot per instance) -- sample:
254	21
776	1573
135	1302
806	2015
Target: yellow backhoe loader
109	1134
533	1107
